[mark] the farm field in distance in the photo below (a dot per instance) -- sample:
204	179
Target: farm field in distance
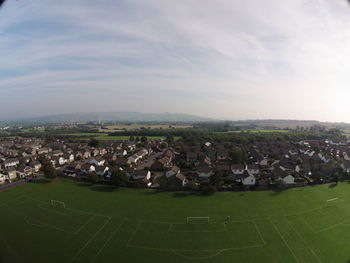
134	127
104	137
103	224
346	132
258	131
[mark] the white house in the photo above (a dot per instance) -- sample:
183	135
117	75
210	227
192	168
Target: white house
120	152
253	169
346	167
287	178
137	156
35	165
323	158
11	162
2	178
204	172
237	169
248	178
173	171
11	174
98	161
264	162
101	170
88	168
141	174
283	175
59	160
134	158
69	158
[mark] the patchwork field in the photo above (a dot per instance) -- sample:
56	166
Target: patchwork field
259	131
104	137
101	224
134	127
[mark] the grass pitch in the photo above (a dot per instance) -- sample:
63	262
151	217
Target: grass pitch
101	224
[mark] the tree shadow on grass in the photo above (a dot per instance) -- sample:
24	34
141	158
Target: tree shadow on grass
332	185
184	194
41	181
85	184
102	188
192	193
177	194
153	192
276	191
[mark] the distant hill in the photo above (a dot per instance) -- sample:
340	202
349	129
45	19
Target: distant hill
138	117
115	116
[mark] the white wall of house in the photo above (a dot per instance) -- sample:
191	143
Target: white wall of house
289	179
102	172
134	158
171	173
204	174
12	175
121	153
148	176
237	171
61	161
71	158
249	180
2	178
253	171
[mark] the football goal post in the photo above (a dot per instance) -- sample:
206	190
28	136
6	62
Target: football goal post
198	220
58	204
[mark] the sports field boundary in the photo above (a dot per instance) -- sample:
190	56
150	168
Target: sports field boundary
90	240
108	240
304	241
42	224
284	241
176	251
107	219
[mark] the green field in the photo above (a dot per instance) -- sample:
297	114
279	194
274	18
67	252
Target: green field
126	138
346	132
104	137
258	131
101	224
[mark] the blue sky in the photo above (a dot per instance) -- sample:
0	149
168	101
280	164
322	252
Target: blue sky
225	59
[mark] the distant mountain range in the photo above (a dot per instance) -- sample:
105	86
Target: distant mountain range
113	116
137	117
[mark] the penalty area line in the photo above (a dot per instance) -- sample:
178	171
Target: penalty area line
333	199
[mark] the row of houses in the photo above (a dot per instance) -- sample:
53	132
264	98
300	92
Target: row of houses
178	165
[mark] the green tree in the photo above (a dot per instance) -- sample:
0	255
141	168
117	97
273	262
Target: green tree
119	178
336	177
169	138
92	177
49	171
216	179
238	156
132	138
143	139
94	143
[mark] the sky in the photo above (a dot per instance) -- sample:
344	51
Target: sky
225	59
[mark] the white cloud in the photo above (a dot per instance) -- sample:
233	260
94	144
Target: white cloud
226	59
